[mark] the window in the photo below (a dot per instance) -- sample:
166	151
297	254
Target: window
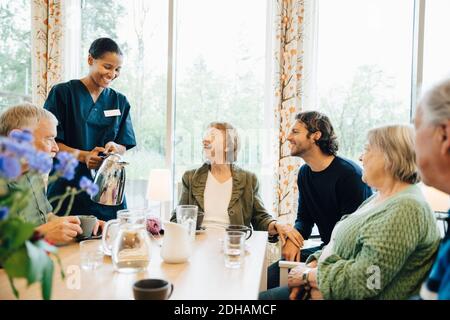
364	66
15	52
363	62
140	27
220	70
220	77
436	64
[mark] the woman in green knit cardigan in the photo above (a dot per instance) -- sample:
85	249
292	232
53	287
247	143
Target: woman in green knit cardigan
386	248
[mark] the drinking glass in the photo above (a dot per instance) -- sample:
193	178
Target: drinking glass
234	248
91	254
187	215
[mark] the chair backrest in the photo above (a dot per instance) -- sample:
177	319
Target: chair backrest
443	220
179	189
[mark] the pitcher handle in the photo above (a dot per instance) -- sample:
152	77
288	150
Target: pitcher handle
106	248
171	291
250	233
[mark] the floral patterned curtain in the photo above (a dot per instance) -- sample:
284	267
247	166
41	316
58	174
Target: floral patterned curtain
46	47
288	55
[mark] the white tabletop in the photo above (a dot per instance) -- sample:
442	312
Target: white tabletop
203	277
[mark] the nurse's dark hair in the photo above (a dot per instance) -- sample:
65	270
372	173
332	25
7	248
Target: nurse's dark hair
101	46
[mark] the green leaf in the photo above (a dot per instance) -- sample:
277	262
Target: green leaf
47	280
37	263
16	266
41	268
24	232
58	260
15	232
33	263
13	287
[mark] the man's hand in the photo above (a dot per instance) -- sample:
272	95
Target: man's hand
290	251
61	229
100	224
112	147
286	231
93	161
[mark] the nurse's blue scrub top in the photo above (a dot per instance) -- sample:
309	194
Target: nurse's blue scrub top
83	125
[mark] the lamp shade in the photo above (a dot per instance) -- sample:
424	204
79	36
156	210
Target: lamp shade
158	187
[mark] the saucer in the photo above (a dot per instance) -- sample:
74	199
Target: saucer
79	239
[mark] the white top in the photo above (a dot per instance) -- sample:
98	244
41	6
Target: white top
217	198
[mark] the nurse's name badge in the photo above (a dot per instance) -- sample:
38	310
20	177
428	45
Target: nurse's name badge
112	113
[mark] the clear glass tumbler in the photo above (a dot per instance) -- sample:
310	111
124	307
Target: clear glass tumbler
187	215
234	248
91	254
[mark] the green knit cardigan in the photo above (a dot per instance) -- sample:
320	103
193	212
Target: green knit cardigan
384	252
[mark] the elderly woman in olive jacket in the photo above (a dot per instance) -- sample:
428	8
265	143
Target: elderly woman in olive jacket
219	179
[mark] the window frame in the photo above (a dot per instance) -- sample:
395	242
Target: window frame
311	95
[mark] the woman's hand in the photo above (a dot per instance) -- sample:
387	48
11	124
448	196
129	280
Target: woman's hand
92	160
316	294
312	264
294	293
295	276
286	231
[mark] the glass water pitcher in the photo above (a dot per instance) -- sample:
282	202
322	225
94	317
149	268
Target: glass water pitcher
131	249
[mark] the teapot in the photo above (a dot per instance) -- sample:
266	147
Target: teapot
110	179
177	244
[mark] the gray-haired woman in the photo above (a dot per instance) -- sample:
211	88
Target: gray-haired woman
226	193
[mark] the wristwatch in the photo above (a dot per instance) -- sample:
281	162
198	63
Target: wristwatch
305	276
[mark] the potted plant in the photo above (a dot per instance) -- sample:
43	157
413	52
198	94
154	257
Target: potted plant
24	253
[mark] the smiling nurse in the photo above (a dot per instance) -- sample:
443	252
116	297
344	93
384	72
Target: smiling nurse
92	118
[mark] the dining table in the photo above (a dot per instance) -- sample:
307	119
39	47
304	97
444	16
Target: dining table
203	277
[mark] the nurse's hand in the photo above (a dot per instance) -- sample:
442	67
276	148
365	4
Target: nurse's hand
92	160
112	147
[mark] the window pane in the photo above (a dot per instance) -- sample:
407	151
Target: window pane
437	47
15	53
140	27
220	77
364	66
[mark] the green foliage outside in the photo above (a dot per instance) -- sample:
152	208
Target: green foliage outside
202	95
15	52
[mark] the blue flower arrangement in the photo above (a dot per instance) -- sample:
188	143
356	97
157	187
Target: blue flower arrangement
24	253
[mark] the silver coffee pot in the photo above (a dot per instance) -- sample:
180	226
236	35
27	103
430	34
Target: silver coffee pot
110	179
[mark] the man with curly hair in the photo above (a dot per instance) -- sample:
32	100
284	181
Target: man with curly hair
329	186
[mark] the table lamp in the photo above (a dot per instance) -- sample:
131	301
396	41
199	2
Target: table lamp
158	188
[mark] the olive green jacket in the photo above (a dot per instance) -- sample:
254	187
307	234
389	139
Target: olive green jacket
246	206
